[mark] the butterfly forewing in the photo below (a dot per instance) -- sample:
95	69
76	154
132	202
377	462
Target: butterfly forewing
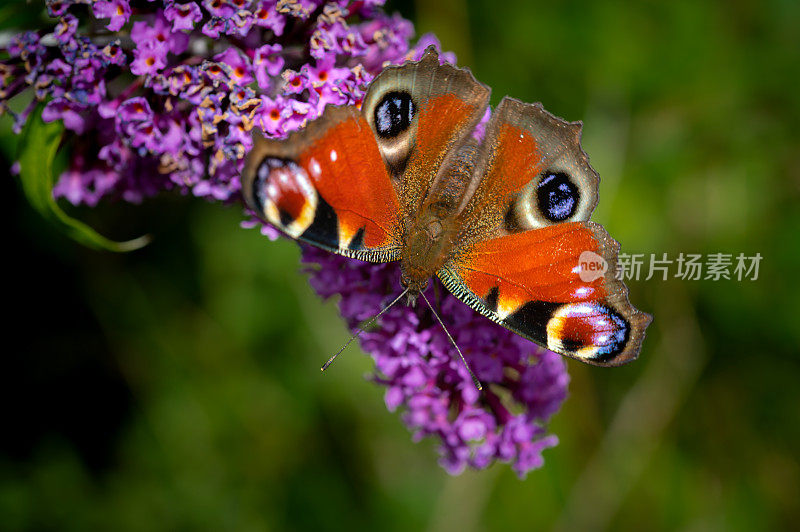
327	185
533	283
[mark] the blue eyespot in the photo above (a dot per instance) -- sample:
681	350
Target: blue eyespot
557	196
394	114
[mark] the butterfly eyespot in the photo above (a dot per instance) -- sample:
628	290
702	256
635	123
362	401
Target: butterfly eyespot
590	331
557	197
551	197
394	114
284	195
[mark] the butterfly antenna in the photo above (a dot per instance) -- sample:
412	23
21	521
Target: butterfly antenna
361	329
464	360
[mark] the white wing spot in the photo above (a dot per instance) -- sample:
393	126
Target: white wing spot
334	155
582	291
316	170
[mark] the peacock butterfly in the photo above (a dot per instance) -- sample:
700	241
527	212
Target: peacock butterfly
503	222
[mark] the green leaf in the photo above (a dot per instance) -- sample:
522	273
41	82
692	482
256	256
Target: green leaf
37	150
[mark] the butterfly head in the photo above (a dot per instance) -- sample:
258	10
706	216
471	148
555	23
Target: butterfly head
414	285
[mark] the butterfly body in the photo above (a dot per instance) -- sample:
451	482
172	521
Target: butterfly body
430	236
503	222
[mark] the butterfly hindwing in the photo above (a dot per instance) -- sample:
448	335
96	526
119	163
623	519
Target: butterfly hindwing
421	112
531	172
327	185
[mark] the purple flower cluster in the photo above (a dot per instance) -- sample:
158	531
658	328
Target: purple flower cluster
169	101
164	95
523	384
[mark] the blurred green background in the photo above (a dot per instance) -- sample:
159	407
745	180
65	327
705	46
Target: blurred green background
176	388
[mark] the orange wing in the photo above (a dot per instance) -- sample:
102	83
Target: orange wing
351	181
536	264
421	113
555	286
327	185
528	257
